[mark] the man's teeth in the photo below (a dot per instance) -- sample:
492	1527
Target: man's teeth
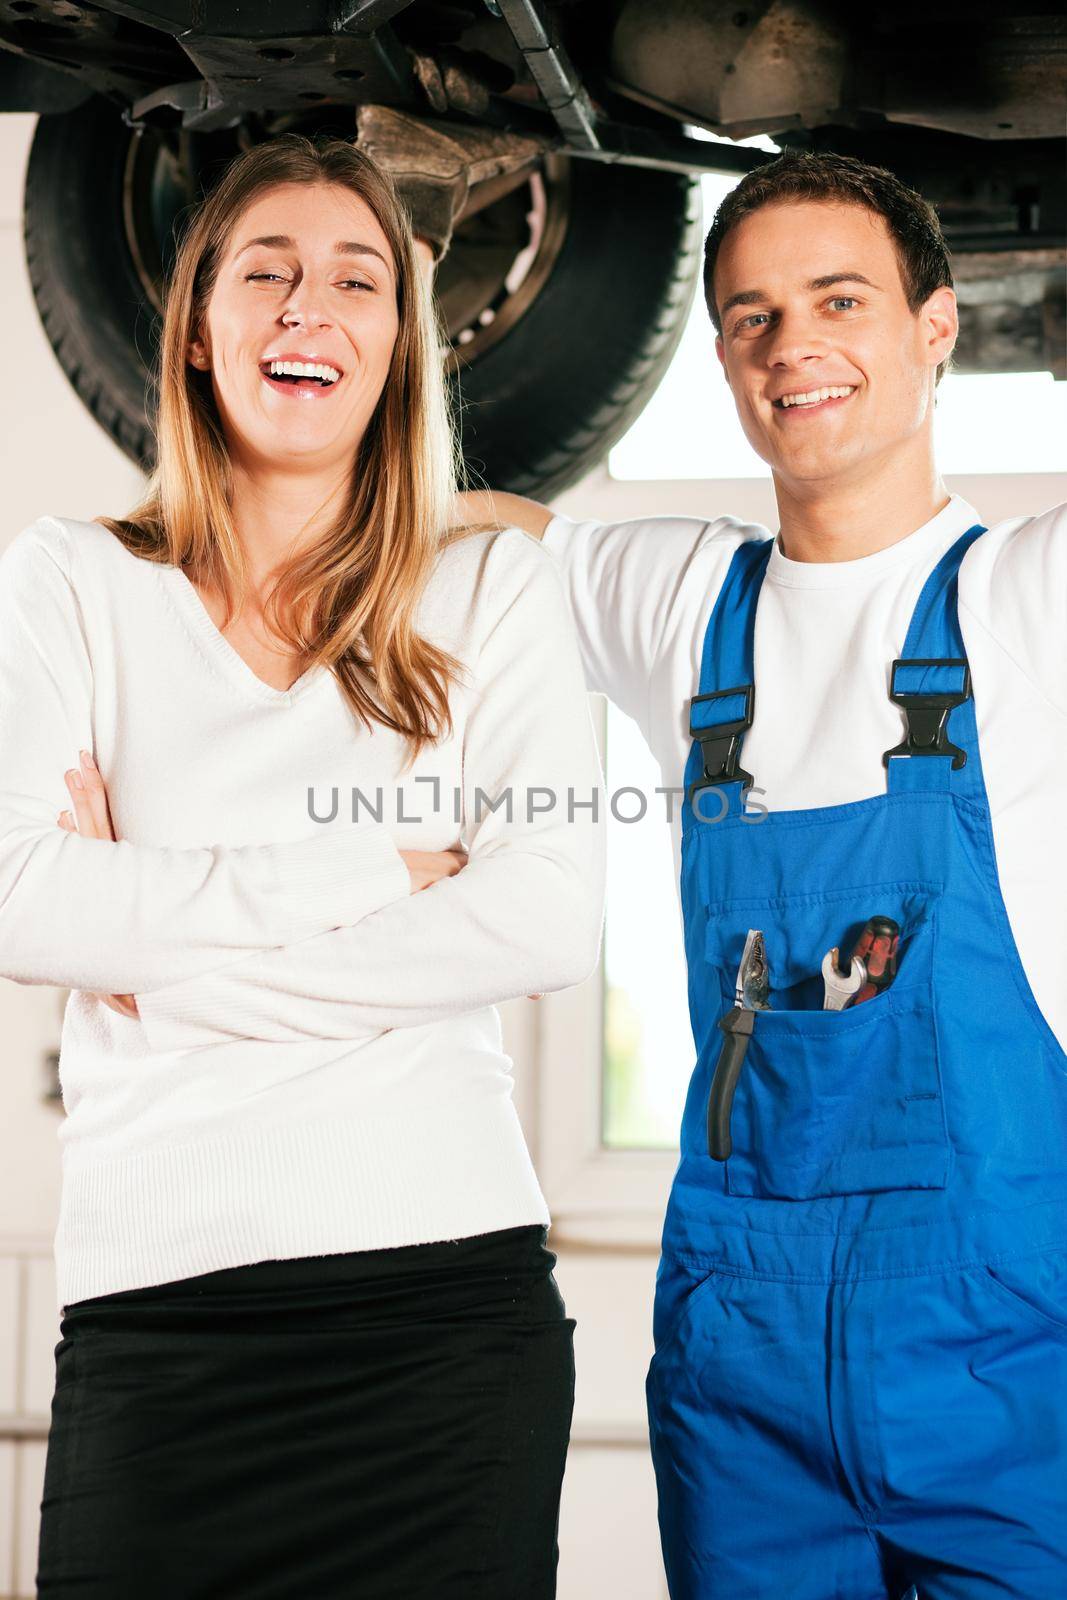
815	396
304	369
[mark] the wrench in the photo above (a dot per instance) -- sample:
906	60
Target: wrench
841	986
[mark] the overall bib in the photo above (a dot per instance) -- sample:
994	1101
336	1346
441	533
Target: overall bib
860	1375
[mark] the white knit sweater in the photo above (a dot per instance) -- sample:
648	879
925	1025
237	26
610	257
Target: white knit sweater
318	1065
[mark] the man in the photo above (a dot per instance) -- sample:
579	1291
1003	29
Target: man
860	1376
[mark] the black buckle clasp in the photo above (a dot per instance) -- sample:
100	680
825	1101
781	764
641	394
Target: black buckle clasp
927	712
720	744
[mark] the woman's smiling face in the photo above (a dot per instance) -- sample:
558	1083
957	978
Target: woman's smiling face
307	273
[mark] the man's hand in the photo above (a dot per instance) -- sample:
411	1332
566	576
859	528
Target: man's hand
501	510
426	259
93	813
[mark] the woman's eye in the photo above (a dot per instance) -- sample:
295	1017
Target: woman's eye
255	277
842	301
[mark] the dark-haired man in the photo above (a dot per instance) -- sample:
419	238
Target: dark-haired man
860	1376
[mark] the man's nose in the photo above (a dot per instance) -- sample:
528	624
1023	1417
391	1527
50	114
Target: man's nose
794	341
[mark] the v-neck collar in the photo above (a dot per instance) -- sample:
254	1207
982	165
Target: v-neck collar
218	646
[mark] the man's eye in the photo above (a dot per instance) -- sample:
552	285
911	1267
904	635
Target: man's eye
752	321
843	301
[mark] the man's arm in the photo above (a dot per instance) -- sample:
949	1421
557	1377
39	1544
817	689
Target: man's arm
1013	583
523	915
500	510
625	584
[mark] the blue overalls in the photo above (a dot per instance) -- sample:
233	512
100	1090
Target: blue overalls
860	1374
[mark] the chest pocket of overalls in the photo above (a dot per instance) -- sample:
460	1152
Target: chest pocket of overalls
835	1102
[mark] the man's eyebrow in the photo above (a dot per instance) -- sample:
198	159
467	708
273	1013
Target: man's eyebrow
343	247
755	297
840	277
746	297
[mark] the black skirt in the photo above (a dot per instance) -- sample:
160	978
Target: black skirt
385	1423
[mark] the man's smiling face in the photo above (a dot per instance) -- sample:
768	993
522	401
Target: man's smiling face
830	369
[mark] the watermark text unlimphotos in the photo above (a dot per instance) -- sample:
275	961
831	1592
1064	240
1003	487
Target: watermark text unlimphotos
626	804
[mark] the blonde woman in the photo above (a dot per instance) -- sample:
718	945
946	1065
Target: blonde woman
311	1339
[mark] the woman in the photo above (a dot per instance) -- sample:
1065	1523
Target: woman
311	1340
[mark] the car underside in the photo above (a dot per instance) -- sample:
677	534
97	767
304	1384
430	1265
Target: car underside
548	143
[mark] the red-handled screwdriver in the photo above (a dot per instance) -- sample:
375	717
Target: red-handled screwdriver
876	947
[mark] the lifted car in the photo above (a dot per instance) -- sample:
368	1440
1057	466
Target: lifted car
557	144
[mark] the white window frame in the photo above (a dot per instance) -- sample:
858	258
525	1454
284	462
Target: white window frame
598	1196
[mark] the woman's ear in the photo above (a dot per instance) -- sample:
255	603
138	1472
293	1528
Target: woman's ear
196	352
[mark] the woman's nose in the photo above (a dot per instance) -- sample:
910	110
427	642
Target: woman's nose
306	308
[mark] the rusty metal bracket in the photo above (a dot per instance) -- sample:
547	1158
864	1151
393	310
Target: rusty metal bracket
436	165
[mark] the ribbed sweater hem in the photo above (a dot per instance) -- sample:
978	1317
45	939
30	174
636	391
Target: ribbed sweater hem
281	1191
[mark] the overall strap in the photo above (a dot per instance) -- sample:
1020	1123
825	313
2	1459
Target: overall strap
931	681
721	713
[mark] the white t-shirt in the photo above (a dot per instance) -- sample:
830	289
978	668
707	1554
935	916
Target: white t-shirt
641	593
318	1064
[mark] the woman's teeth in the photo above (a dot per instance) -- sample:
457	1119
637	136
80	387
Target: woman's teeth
815	397
303	369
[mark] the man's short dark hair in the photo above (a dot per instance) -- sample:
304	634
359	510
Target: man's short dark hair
799	176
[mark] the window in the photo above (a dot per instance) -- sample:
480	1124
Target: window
648	1050
689	429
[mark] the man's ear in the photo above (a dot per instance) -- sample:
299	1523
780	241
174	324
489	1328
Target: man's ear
940	321
720	351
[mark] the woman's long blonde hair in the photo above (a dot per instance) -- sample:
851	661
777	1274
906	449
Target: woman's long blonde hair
349	599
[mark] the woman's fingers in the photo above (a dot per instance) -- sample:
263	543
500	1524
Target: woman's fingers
97	796
430	866
94	821
86	788
124	1004
83	812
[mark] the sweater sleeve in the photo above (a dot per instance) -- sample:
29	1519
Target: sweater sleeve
525	913
119	917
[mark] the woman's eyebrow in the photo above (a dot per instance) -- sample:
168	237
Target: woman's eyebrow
343	247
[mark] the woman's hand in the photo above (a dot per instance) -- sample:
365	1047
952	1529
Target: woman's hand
429	866
86	788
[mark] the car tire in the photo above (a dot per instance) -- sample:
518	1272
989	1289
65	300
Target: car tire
537	409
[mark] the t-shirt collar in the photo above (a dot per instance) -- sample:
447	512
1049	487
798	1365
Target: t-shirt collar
934	536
